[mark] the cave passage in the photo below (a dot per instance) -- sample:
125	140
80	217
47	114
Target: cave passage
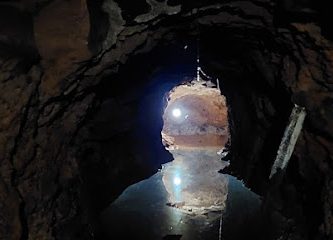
188	198
195	132
196	116
89	114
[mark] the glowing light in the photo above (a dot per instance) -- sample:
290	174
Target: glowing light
176	112
177	181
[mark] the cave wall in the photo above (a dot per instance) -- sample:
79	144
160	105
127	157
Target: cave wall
265	118
51	65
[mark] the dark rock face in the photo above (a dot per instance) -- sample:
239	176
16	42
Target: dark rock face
60	150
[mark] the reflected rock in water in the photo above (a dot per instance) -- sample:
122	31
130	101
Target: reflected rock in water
193	182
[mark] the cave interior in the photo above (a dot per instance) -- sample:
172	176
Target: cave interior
108	132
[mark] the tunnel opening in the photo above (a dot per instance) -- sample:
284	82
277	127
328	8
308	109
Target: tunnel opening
188	197
195	115
188	193
135	152
195	132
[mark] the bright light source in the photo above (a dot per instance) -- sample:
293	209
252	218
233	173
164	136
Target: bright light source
176	112
177	181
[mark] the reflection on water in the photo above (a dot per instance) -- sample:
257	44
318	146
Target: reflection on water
142	212
193	181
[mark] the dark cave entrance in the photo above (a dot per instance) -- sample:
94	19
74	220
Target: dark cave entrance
176	200
187	197
132	151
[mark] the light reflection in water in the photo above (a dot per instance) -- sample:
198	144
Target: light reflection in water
177	181
141	211
193	182
177	185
